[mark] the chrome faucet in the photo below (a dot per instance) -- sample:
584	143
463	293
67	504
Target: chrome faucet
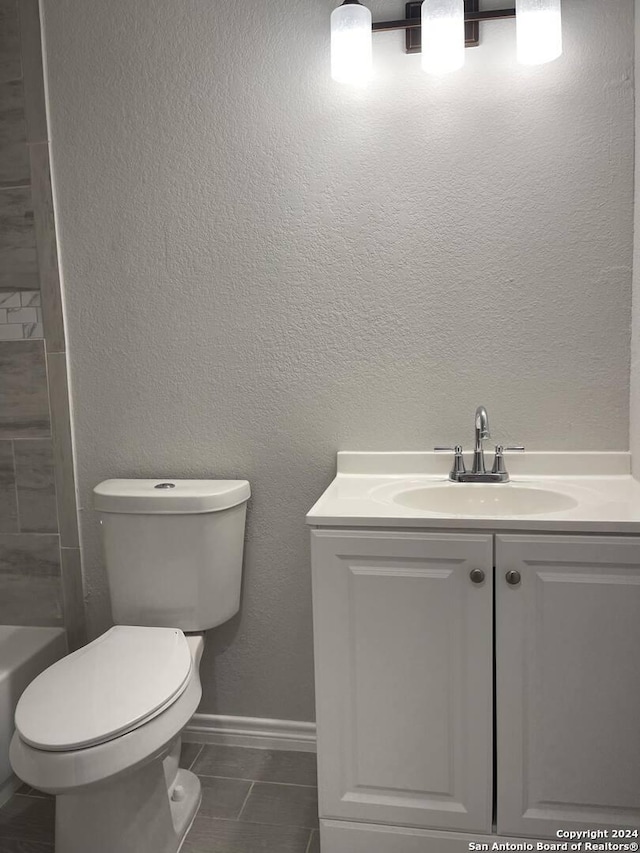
479	473
481	432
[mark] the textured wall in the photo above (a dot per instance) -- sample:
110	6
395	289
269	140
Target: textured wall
262	267
635	344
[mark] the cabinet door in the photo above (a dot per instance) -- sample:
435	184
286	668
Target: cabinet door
568	683
403	653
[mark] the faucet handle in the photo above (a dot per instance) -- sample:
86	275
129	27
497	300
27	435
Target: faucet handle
498	460
458	461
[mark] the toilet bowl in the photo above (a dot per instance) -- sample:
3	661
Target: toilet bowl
117	781
100	729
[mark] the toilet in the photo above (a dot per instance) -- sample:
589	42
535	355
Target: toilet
101	728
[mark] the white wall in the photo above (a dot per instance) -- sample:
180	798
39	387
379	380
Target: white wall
262	267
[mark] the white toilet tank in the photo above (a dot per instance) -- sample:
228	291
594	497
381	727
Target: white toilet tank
173	550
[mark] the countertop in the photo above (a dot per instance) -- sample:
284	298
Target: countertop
607	497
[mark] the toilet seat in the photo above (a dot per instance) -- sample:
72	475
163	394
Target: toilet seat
70	771
111	686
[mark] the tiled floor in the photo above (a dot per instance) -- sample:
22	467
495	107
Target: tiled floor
253	801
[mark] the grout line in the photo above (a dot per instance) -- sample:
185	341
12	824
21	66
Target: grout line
255	781
18	185
195	759
31	795
256	823
40	533
15	485
308	847
245	800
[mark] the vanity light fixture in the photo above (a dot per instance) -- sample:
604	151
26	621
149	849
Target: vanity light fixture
351	48
539	31
440	30
443	41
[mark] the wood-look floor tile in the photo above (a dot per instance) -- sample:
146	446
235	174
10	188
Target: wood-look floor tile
32	71
30	584
296	768
223	797
8	503
35	485
14	156
10	59
230	761
28	819
18	260
14	164
23	845
16	216
227	836
12	124
281	805
262	765
23	390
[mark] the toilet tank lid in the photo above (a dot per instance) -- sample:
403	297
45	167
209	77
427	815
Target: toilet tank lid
169	496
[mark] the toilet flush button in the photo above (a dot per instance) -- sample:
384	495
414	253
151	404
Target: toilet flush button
165	486
178	794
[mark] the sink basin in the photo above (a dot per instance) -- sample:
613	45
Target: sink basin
479	499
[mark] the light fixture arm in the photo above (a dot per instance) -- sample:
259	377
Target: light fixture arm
415	23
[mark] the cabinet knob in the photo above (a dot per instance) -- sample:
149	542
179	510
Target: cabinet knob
476	575
513	577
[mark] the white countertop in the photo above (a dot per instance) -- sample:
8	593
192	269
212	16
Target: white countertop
607	498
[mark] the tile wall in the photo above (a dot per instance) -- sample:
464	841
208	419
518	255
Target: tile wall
40	569
20	316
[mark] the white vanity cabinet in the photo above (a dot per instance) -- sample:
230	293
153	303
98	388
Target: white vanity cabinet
418	664
567	683
403	646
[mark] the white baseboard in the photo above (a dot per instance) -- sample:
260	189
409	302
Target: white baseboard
341	836
251	731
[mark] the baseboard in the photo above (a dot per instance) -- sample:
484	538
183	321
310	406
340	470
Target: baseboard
251	731
341	836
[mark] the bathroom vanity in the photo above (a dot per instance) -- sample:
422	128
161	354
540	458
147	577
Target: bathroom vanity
478	671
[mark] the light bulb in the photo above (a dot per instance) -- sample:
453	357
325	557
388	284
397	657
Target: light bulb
539	31
351	43
442	35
